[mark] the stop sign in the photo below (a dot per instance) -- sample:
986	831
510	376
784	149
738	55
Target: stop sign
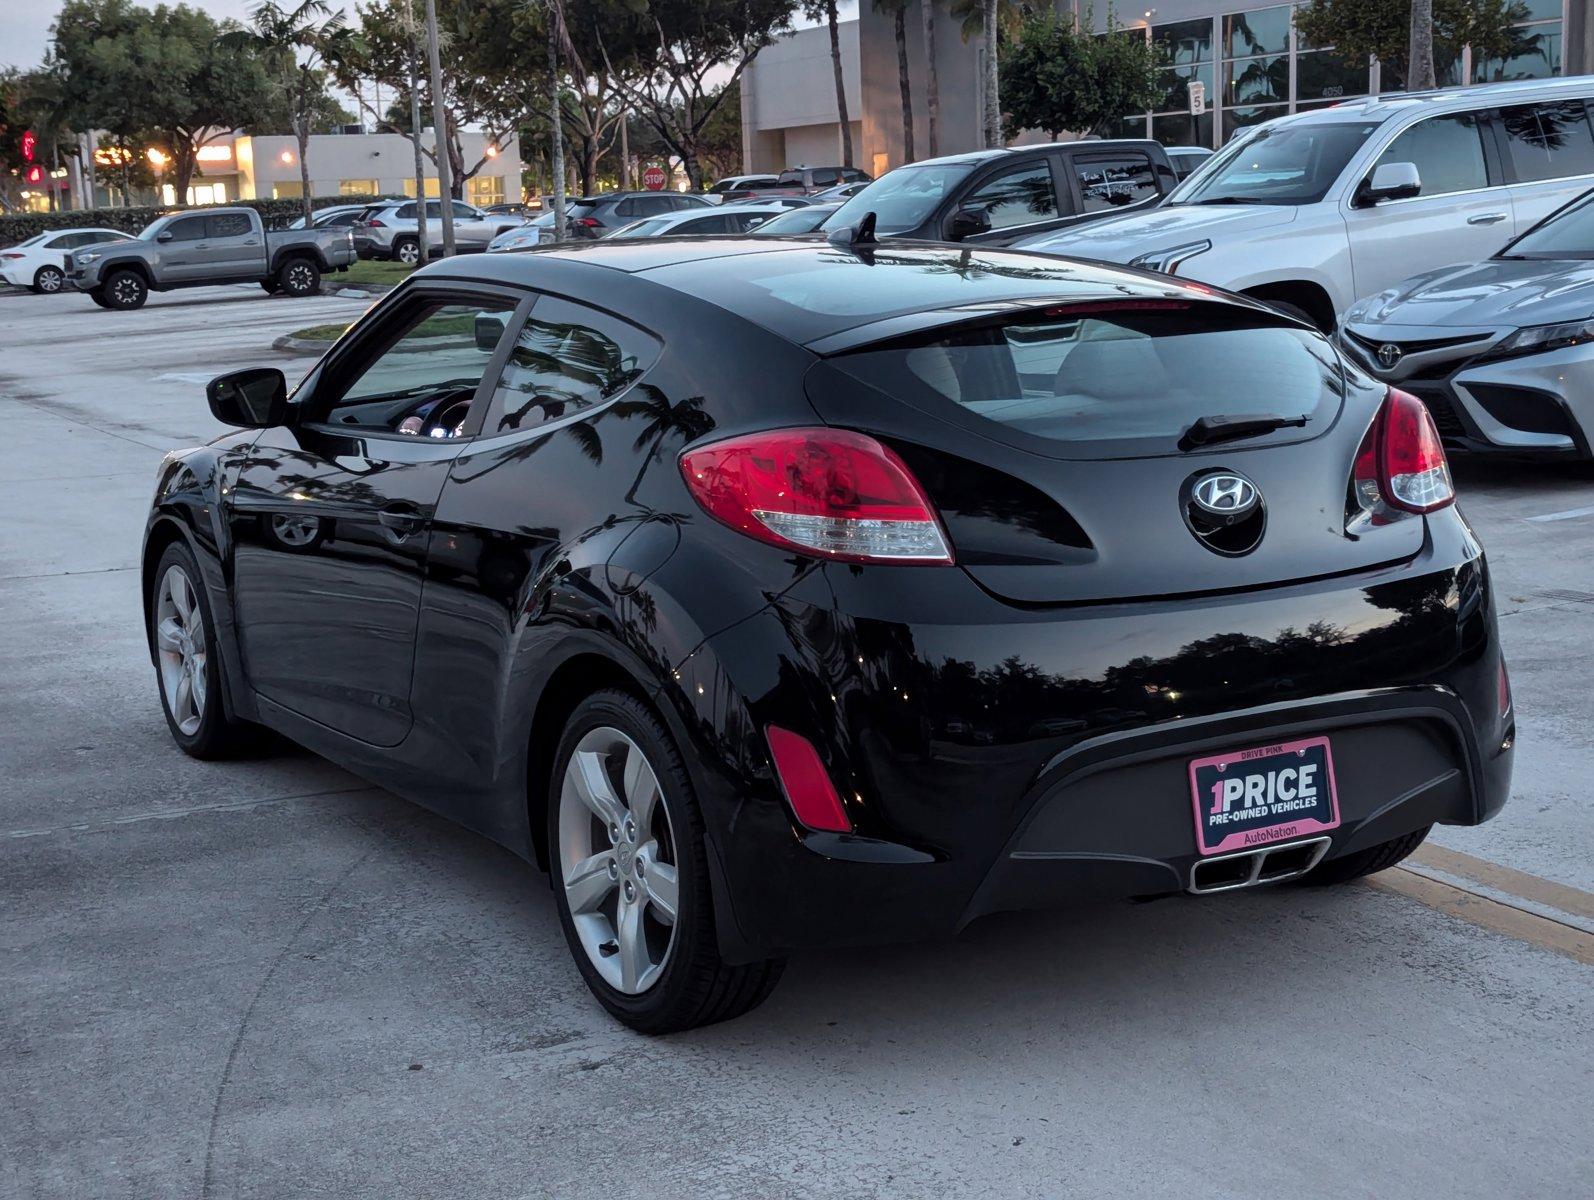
653	178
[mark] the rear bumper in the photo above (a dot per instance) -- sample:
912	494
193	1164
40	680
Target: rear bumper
1025	758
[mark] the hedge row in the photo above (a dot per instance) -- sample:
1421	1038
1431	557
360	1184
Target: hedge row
277	214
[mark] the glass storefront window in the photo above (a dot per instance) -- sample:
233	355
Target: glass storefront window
1264	31
1181	129
1183	42
1321	75
1258	81
483	190
1126	127
1238	118
1176	87
1535	55
358	187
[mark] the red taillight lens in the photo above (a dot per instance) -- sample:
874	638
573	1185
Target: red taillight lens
10	255
586	222
806	782
830	492
1401	462
373	223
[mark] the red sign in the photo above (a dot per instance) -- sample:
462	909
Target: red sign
28	143
653	179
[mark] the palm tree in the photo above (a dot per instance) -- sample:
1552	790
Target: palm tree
297	42
991	19
827	9
1419	63
899	18
932	86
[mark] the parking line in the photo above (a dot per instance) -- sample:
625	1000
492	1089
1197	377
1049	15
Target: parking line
1490	914
1503	879
1565	515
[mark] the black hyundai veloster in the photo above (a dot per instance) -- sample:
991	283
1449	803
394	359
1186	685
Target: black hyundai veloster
778	594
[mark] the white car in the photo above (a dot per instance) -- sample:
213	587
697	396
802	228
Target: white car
523	237
40	262
1313	211
726	220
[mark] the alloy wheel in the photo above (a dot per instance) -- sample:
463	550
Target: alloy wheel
409	254
50	279
181	649
300	278
617	860
125	290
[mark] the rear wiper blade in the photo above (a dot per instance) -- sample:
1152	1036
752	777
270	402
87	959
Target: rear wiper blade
1207	430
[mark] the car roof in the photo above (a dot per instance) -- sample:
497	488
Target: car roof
1441	100
823	296
971	157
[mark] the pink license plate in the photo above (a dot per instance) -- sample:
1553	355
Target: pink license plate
1267	794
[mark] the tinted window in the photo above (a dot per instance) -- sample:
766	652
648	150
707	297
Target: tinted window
64	241
1113	182
1447	151
1567	234
647	228
715	224
434	210
652	206
798	220
1020	196
790	179
1549	141
423	382
680	203
229	225
904	198
1109	374
187	229
464	212
580	208
742	222
1293	165
566	358
338	220
406	211
826	176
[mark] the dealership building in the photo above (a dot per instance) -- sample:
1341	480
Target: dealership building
1251	61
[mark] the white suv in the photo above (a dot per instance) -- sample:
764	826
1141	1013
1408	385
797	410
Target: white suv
1313	211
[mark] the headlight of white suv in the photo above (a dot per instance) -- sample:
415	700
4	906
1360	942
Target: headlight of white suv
1538	339
1167	261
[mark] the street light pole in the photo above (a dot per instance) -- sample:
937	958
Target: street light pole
445	172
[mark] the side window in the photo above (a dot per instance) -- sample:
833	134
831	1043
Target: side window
1447	152
463	211
422	383
405	212
679	203
434	211
712	224
187	229
568	357
1548	141
1021	196
1114	181
851	175
64	241
626	208
826	177
742	222
652	206
229	225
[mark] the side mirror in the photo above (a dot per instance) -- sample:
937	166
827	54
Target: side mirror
488	330
164	235
252	399
968	222
1390	181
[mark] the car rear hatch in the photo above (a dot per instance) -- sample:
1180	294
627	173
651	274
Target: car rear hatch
1065	445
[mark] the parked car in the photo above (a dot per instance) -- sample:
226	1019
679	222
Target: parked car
522	237
726	220
391	230
999	196
341	216
594	216
1312	211
1501	352
739	187
516	209
201	249
844	191
796	222
806	181
40	262
797	597
1186	159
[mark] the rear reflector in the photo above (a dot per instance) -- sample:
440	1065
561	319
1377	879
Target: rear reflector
806	783
830	492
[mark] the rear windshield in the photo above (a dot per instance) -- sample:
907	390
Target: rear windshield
581	208
1110	372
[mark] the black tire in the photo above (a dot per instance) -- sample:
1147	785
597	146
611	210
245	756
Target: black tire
299	277
407	250
218	733
696	986
1366	862
98	296
125	289
48	280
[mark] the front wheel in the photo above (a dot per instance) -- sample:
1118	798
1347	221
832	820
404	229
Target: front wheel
299	277
630	867
125	290
49	280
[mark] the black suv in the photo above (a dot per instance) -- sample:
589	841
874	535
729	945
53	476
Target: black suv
594	216
999	196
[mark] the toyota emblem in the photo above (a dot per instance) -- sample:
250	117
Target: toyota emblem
1388	355
1224	495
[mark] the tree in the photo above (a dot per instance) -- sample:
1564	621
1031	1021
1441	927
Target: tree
826	9
992	20
932	84
1359	29
296	44
689	52
1061	79
1419	70
899	18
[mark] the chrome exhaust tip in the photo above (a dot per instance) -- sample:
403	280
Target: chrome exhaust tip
1251	868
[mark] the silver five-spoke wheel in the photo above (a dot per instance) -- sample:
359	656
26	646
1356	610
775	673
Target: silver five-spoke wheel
617	860
181	649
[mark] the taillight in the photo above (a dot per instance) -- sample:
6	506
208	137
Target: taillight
586	222
805	781
829	492
10	255
374	223
1401	461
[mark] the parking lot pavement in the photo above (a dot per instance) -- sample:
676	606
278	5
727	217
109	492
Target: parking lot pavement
267	979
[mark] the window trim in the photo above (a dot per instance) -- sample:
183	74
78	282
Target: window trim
370	339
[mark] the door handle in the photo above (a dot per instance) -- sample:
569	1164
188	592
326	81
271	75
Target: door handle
1485	218
400	521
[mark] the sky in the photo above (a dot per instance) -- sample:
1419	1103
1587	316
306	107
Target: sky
25	24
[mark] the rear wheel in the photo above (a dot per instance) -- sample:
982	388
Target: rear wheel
299	277
1366	862
49	280
407	251
125	290
630	871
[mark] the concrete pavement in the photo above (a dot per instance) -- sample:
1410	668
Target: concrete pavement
267	979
